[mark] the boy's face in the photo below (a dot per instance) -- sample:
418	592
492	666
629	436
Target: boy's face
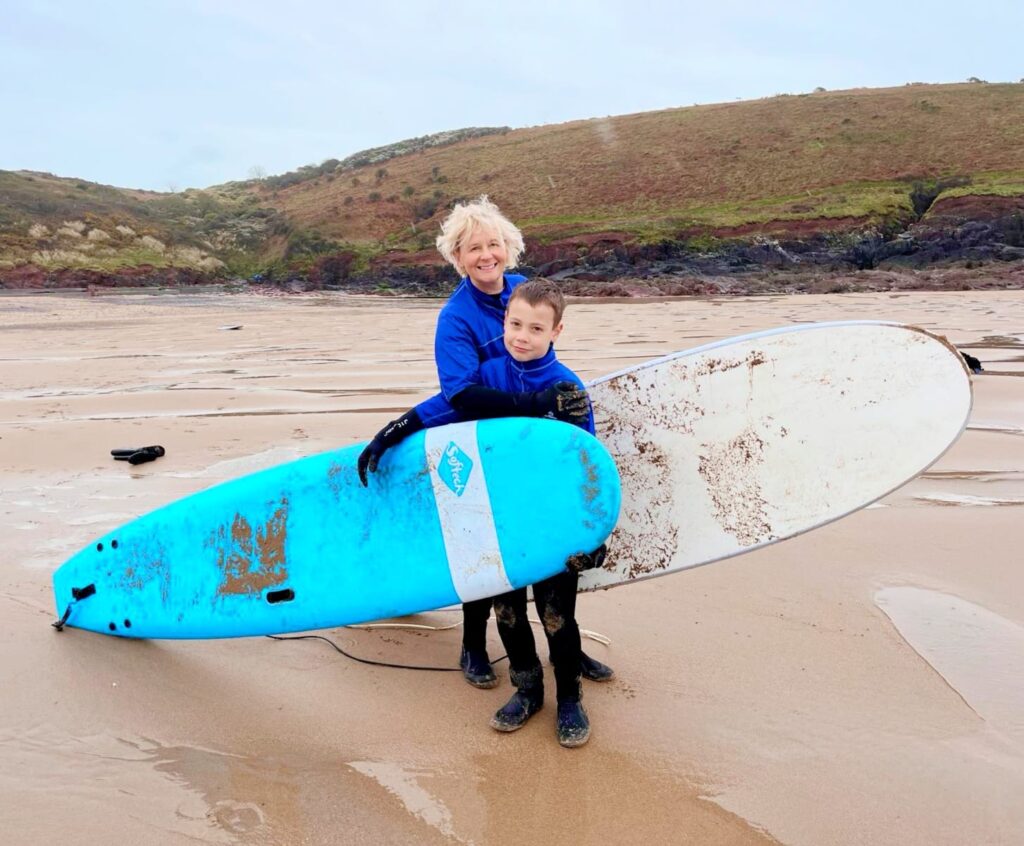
529	330
483	256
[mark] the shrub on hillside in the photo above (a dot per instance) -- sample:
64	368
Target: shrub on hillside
332	269
924	193
426	207
308	243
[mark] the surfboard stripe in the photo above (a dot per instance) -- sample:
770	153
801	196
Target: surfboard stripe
464	510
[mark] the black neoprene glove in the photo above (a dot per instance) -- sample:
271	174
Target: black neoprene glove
564	401
394	433
580	561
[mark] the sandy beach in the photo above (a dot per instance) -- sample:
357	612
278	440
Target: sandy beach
861	684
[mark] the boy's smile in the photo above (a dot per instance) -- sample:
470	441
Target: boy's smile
529	330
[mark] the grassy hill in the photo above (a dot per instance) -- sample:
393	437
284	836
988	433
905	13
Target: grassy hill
828	155
871	159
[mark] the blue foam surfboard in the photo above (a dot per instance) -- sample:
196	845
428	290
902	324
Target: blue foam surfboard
453	514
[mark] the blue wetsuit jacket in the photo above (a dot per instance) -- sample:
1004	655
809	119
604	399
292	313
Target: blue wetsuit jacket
470	331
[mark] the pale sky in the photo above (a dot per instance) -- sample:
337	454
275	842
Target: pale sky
171	94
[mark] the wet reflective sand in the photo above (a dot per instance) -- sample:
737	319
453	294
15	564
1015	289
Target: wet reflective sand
859	684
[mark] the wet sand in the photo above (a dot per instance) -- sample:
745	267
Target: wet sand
860	684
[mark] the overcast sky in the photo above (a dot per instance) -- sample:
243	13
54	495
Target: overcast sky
170	94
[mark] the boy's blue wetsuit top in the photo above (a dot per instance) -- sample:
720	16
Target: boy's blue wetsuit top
470	329
507	374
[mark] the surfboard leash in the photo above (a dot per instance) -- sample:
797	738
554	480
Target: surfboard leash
77	595
585	633
370	660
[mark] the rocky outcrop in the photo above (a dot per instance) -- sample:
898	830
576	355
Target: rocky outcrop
30	276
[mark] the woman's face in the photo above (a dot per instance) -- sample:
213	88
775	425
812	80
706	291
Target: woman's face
482	256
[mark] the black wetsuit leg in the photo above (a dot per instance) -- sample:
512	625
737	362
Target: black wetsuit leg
514	630
474	624
555	599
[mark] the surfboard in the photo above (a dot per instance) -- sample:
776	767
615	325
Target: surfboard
454	513
745	442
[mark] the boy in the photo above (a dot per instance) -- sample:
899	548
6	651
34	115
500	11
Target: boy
530	372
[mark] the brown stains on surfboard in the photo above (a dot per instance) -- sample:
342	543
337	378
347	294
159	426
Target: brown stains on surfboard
335	477
633	423
145	564
707	366
251	558
729	470
590	487
646	538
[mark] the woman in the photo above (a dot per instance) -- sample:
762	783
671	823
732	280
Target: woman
481	244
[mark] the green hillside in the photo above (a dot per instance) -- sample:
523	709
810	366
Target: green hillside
871	159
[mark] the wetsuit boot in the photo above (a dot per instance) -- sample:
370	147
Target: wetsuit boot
474	661
476	667
591	668
571	724
525	702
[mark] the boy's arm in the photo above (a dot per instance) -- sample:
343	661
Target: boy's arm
435	411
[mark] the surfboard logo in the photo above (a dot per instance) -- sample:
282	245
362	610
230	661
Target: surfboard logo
455	468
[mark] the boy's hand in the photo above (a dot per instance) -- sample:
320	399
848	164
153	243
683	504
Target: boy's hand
565	401
394	433
580	561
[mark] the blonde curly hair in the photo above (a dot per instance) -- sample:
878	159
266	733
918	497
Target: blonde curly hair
482	214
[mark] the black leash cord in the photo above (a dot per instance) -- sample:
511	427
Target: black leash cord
77	595
372	662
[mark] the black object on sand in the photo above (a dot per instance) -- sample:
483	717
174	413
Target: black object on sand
138	455
973	363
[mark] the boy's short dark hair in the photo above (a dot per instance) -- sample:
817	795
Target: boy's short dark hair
538	291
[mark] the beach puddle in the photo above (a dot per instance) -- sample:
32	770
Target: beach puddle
233	467
107	771
967	500
1001	428
403	783
107	519
998	342
976	475
979	653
